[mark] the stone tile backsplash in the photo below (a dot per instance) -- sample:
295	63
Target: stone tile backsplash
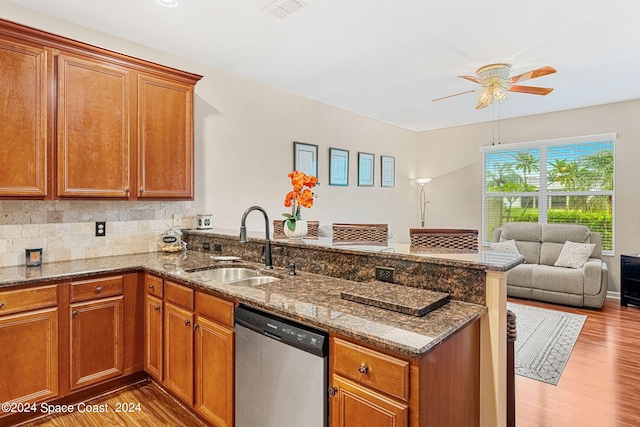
65	229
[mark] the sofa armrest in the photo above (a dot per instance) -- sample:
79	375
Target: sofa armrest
594	276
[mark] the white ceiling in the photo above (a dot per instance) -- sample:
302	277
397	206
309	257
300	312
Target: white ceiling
388	59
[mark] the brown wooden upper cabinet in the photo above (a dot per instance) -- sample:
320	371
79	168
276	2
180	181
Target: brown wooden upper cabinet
165	139
123	126
93	129
23	133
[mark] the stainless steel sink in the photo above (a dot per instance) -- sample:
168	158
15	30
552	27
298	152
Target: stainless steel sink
253	281
233	276
227	274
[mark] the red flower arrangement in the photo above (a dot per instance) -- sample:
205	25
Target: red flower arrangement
300	196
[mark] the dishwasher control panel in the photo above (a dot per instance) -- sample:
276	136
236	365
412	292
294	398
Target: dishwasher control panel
288	331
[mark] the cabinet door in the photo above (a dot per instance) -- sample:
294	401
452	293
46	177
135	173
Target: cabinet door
23	133
354	405
29	356
153	337
165	139
93	129
214	365
178	351
96	341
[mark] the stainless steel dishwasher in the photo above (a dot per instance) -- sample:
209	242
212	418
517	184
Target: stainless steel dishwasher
281	372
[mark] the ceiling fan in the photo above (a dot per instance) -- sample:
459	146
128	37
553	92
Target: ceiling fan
496	82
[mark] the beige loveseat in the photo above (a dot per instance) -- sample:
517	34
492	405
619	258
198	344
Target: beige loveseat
539	279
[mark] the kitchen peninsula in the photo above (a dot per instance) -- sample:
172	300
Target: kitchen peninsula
308	297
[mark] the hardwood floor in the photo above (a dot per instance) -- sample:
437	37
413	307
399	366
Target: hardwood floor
157	408
600	385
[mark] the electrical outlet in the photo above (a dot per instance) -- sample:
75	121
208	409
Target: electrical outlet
177	220
101	228
206	246
385	274
217	248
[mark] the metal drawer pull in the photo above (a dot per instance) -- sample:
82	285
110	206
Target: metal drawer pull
157	307
74	314
363	369
98	289
195	326
152	287
333	391
187	323
1	304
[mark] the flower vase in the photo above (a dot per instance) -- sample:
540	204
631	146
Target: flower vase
299	232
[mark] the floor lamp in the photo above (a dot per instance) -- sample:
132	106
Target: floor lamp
423	198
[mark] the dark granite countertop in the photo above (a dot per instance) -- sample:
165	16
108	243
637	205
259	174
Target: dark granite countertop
310	298
482	260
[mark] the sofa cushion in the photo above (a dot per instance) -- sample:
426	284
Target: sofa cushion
549	252
521	275
560	233
522	231
574	255
530	251
568	280
508	246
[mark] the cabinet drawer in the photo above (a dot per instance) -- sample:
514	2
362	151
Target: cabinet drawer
371	368
178	294
153	285
28	299
214	308
96	288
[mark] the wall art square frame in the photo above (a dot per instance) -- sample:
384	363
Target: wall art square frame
366	169
387	171
338	167
305	158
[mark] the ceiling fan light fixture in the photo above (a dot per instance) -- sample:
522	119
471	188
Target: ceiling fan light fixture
500	94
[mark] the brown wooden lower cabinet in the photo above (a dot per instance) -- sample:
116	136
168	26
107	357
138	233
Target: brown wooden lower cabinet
96	341
29	356
178	351
372	387
153	336
214	366
355	405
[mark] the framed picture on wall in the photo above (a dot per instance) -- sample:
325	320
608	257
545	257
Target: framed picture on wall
388	171
365	169
305	158
338	167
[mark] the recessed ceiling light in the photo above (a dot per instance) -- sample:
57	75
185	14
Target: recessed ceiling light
167	3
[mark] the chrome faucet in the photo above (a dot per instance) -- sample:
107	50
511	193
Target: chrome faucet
267	241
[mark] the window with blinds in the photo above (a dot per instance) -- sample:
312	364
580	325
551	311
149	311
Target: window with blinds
569	181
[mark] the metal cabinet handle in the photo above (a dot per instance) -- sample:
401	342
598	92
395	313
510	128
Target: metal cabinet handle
157	307
141	190
187	323
363	369
127	190
195	326
152	287
1	304
333	391
98	289
74	314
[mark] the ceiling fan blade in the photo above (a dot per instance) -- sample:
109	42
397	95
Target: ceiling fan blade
531	89
451	96
471	79
531	74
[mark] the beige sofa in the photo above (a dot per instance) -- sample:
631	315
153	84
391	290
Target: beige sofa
539	279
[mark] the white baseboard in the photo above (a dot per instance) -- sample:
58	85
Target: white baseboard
613	295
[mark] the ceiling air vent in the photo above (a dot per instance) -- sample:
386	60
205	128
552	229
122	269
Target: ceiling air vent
283	8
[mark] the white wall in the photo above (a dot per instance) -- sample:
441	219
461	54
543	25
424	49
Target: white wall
452	157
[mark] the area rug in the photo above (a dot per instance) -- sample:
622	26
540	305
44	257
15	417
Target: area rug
544	341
